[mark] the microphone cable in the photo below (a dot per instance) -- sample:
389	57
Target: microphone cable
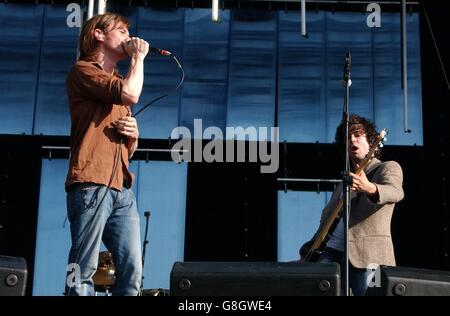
169	92
118	156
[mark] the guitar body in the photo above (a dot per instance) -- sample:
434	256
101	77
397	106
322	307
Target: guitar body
315	256
312	255
309	255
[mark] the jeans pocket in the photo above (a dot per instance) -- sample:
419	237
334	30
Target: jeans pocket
81	200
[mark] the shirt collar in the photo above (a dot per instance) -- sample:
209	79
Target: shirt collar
115	73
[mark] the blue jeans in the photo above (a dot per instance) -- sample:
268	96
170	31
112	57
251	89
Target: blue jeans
359	279
116	223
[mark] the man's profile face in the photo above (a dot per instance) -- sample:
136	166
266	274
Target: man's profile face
358	145
114	39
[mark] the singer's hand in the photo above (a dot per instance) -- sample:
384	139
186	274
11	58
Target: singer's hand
127	126
136	47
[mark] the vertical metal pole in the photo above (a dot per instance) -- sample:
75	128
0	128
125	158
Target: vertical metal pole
303	17
404	68
101	6
144	247
346	181
90	12
215	11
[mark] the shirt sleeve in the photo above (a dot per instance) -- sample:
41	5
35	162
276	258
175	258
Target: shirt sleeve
97	84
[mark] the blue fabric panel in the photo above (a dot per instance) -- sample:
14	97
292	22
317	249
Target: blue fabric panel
162	29
59	53
206	65
301	73
252	70
52	239
20	41
162	191
388	93
298	219
307	115
237	71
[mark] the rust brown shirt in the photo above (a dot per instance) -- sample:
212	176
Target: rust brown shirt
95	102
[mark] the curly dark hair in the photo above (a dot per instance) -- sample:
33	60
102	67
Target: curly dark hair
369	129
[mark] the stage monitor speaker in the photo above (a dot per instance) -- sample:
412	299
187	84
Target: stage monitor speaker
401	281
13	276
254	279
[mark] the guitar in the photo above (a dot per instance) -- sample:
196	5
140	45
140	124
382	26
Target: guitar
323	235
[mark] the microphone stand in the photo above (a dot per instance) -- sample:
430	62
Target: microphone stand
347	179
147	217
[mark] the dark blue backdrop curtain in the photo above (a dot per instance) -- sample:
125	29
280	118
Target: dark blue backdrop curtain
251	70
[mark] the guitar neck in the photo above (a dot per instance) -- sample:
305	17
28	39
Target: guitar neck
363	165
333	215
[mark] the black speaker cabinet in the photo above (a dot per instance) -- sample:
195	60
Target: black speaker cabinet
254	279
401	281
13	276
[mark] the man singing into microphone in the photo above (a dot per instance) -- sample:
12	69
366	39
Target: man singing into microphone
100	203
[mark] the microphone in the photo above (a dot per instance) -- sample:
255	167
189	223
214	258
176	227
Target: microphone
348	61
154	50
159	51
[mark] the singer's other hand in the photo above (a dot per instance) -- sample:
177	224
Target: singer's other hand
136	47
127	126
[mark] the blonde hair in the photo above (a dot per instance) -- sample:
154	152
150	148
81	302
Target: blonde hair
87	43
